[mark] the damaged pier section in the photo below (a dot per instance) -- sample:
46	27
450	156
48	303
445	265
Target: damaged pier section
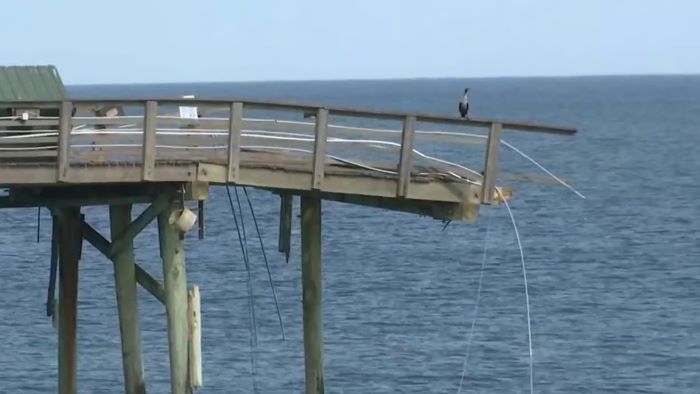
165	152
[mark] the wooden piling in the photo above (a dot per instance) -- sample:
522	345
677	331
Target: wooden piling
127	302
175	282
194	313
70	240
312	293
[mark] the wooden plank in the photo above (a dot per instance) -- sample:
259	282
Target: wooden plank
149	140
284	244
234	141
319	148
31	154
137	121
29	141
340	111
195	338
312	293
63	163
349	183
79	195
491	164
175	278
127	302
275	176
433	209
47	123
173	172
70	247
338	131
405	160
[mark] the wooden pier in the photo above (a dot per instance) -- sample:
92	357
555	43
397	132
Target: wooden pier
167	151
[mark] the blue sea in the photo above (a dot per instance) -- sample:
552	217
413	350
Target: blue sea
614	280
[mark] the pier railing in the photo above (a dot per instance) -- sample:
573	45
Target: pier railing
145	132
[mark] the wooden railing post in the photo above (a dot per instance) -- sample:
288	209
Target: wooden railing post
407	137
320	148
491	163
149	140
64	129
235	125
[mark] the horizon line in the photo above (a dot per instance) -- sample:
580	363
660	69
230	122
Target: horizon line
253	81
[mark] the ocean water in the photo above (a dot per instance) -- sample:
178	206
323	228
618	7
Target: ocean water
614	280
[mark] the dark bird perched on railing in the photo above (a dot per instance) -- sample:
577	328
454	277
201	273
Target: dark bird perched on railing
464	104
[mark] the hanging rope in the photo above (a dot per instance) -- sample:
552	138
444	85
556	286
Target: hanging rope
251	296
267	265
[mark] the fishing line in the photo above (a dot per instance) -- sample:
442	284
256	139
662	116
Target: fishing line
251	296
541	167
527	295
476	304
267	265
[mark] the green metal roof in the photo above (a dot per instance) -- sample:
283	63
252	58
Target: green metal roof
30	83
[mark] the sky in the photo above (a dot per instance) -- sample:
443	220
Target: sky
129	41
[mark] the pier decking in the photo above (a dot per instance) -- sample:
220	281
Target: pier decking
80	148
71	153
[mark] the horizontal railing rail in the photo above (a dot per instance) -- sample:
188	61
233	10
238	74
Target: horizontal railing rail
309	108
229	131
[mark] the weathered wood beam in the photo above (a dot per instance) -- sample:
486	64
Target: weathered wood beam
101	194
127	303
175	278
143	220
195	338
467	211
14	202
491	164
308	108
284	244
148	153
65	128
150	283
234	141
319	160
312	293
29	123
69	257
142	276
293	180
406	158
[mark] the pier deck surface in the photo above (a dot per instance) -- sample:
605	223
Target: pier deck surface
362	156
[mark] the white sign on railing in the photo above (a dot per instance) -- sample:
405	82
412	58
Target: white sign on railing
188	112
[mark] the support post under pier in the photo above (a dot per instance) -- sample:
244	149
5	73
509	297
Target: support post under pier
127	302
70	245
312	293
173	254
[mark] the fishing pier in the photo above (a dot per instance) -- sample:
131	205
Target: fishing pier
65	154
